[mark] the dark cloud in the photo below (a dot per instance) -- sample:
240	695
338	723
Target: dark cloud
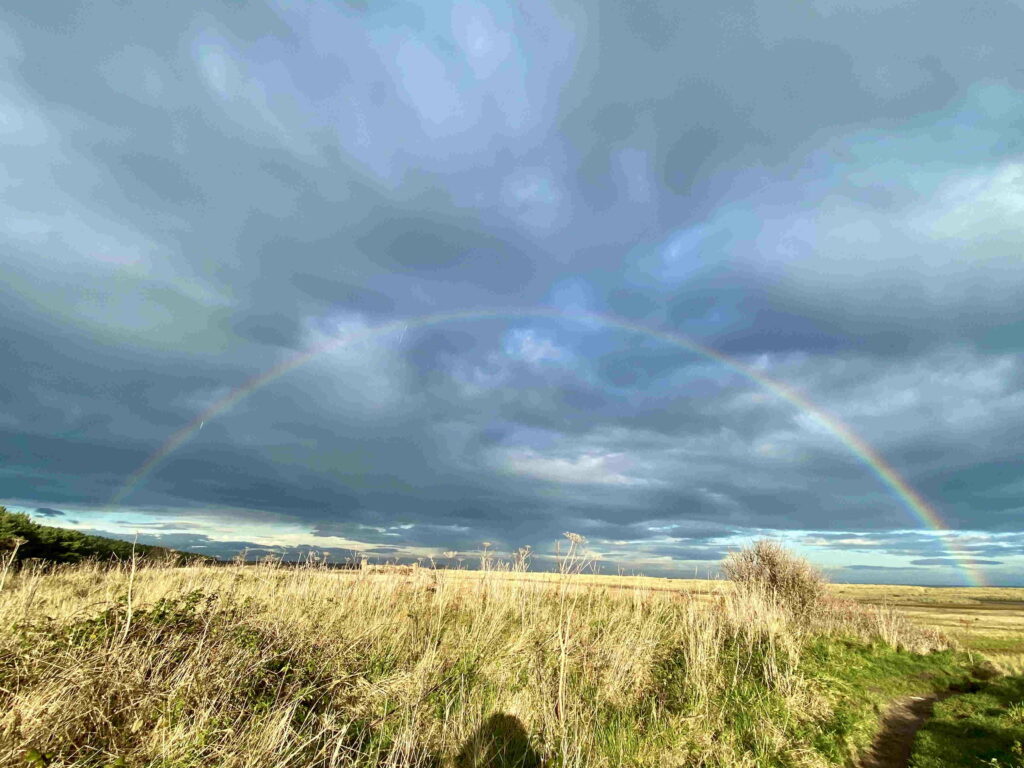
807	189
274	330
337	293
447	252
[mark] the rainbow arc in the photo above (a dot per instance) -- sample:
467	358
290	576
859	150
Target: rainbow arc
911	499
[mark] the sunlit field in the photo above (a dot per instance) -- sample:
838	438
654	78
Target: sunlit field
986	619
989	619
265	665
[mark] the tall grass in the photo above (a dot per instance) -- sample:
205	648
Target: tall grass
274	666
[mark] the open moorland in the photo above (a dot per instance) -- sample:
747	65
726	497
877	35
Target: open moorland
280	666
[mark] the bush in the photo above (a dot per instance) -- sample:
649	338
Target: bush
768	568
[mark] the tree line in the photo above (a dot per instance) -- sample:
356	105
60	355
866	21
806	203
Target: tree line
22	538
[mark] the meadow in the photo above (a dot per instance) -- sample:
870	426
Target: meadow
175	667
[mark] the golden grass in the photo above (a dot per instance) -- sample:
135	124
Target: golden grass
989	620
973	616
272	666
985	619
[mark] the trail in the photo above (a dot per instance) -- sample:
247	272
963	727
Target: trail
895	740
904	718
902	721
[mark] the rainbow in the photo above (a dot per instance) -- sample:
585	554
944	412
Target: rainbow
913	501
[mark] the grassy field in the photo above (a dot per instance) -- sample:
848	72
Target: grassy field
270	666
984	619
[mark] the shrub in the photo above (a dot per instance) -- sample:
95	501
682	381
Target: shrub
768	568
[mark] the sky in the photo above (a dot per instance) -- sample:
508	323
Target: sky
399	278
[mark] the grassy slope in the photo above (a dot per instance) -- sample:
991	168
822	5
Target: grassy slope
257	666
865	679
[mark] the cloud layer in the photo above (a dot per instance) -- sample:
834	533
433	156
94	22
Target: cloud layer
194	198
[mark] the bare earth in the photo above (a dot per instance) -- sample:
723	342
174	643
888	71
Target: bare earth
901	723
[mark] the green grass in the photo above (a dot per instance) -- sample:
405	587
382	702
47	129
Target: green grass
861	679
984	728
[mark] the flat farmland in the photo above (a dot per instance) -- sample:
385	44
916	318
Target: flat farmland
987	619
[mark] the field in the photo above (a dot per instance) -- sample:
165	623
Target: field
985	619
272	666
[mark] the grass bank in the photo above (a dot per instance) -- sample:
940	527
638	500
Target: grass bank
263	666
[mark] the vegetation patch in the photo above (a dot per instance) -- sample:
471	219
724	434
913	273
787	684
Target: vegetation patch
267	666
979	728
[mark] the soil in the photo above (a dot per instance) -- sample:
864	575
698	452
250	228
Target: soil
895	740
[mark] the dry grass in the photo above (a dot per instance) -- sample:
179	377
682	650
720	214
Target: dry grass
989	620
985	619
767	568
268	666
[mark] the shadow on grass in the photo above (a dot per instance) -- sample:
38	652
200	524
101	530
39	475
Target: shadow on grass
970	743
501	742
983	726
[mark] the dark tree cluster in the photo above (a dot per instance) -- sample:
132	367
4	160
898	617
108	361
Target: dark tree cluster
20	535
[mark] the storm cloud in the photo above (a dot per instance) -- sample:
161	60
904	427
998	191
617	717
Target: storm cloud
365	250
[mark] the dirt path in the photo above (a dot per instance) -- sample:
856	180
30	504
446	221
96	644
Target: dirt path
895	740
